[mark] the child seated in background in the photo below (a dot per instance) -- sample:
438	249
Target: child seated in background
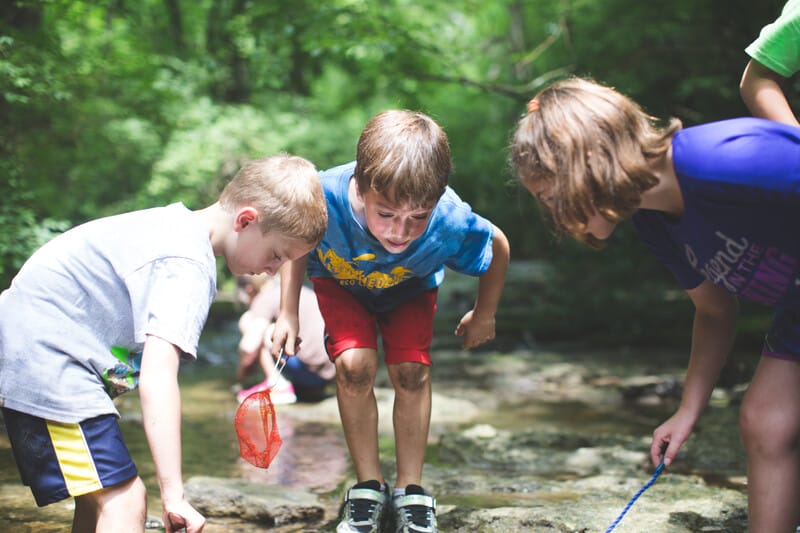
306	374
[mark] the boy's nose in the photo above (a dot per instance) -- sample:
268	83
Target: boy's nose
273	267
402	228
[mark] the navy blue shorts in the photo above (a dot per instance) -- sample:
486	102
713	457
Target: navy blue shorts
300	375
783	340
58	460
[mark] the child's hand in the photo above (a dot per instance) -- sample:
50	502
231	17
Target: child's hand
476	329
285	336
671	434
183	517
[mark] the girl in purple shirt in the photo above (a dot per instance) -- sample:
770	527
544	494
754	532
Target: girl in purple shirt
719	205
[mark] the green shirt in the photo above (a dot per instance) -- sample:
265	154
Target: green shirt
778	45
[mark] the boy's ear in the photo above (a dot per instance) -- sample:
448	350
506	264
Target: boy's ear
359	195
244	217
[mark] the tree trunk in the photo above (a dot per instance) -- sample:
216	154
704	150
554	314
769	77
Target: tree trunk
221	45
21	15
175	17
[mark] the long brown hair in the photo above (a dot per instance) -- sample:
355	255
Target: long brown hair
590	149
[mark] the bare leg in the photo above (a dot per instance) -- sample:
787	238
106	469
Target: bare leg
770	425
358	409
412	417
252	328
121	508
85	518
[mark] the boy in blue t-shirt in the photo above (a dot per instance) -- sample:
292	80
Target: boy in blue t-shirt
719	205
394	224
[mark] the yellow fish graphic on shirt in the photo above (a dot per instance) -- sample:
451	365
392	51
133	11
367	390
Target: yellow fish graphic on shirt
348	273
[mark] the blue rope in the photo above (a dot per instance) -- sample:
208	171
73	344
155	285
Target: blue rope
646	486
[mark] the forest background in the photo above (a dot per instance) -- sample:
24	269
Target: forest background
114	105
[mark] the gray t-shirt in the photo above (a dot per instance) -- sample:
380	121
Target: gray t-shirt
75	319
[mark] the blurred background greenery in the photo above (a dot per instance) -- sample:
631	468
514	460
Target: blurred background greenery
117	105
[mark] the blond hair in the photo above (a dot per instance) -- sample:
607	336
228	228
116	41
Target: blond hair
589	149
286	192
404	156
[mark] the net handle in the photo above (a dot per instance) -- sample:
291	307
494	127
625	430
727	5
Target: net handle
280	363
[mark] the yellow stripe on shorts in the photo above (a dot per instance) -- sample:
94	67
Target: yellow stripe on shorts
74	458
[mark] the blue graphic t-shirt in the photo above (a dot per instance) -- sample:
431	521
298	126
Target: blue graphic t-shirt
456	237
740	181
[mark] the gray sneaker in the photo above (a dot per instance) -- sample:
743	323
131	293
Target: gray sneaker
364	506
415	512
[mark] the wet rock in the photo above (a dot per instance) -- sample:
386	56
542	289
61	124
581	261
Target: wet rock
509	503
549	481
269	505
668	507
501	520
545	452
529	441
650	389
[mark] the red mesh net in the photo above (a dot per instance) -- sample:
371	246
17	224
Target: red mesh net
257	429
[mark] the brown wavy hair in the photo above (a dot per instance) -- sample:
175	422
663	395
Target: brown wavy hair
405	156
286	191
589	149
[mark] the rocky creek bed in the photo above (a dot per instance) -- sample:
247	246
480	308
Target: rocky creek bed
531	439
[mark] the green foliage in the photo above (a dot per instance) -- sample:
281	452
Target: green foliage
114	106
20	233
618	294
210	146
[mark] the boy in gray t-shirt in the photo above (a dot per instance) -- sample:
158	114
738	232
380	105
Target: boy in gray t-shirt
116	303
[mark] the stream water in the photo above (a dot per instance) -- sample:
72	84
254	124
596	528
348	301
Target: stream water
569	392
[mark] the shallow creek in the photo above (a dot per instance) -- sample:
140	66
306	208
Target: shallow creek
559	418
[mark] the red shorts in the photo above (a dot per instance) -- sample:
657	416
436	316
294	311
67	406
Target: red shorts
406	330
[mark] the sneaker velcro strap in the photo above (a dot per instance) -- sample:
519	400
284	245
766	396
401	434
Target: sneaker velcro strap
366	494
415	499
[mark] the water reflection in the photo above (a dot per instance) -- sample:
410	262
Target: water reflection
562	393
312	456
578	416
